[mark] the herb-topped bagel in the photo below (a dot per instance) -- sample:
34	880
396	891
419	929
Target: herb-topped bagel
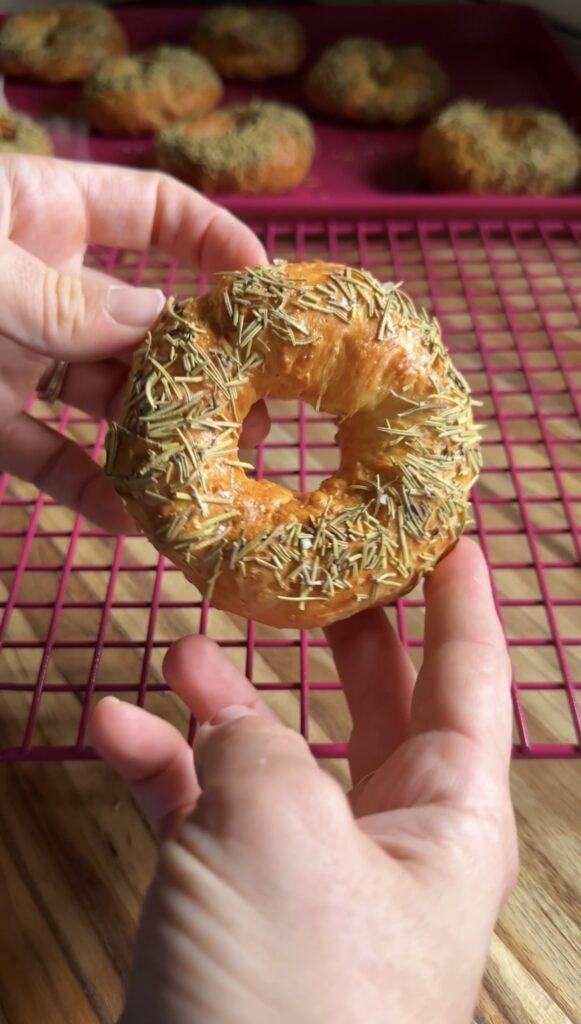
145	91
253	43
362	79
470	147
59	44
336	338
259	146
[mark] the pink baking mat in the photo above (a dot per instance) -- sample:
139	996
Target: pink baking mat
504	55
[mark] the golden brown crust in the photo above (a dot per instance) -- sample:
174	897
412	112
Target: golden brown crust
473	148
331	336
145	91
250	147
20	134
362	79
59	44
251	43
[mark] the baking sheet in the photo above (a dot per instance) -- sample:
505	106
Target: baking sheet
503	55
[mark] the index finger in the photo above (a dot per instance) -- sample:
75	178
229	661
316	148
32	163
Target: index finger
136	209
131	209
464	684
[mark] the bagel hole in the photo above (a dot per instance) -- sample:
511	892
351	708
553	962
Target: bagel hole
299	450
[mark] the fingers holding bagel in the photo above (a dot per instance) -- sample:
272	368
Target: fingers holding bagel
34	452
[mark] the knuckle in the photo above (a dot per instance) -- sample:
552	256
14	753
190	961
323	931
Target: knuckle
211	229
168	194
252	734
283	794
63	307
216	235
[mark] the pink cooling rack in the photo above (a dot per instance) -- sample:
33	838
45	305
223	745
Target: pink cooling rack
83	614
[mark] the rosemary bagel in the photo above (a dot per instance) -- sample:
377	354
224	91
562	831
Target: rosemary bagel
473	148
145	91
59	44
336	338
252	43
259	146
362	79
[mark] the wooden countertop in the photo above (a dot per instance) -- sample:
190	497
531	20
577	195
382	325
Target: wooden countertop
76	858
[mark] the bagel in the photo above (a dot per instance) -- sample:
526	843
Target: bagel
59	44
336	338
473	148
246	147
20	134
254	43
362	79
145	91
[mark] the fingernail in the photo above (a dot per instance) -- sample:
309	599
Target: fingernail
230	714
134	307
123	707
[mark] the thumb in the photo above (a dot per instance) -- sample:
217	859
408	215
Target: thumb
68	317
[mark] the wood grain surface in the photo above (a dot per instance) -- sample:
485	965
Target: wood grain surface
75	855
76	858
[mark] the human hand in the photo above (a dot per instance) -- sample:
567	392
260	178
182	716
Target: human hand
278	900
53	308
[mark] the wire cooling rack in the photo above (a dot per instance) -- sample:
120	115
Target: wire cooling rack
83	614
